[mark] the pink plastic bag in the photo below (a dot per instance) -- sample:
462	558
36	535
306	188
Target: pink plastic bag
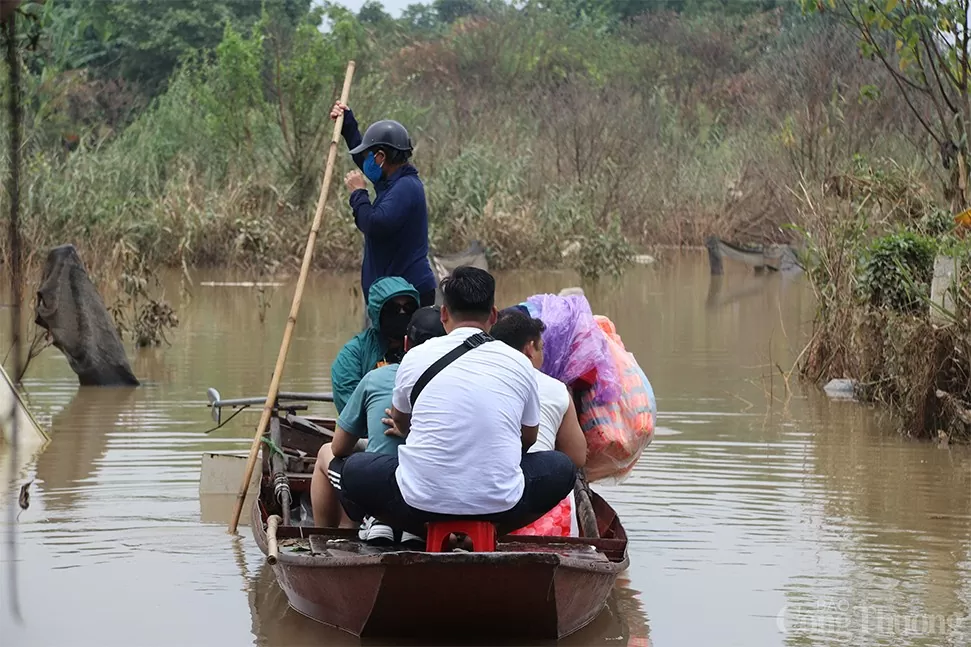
561	521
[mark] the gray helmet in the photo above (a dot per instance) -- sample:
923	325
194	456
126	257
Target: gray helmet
387	133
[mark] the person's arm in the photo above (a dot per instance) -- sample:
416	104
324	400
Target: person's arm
402	424
530	433
345	373
350	131
570	439
387	215
530	421
344	443
352	422
401	399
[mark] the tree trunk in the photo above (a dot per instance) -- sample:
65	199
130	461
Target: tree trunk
957	191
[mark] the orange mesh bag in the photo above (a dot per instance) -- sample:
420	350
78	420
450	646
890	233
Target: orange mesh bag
618	431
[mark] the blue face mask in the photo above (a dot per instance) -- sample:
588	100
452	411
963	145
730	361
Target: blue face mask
372	171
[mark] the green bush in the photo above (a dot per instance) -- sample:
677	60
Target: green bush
937	223
897	270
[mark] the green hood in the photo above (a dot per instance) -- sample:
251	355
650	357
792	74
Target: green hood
363	352
382	291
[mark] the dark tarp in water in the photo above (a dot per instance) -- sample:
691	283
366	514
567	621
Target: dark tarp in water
70	308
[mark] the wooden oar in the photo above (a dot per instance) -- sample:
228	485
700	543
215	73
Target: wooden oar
295	306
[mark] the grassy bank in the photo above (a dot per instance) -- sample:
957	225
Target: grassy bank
537	130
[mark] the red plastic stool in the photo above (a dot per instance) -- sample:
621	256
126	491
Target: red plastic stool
482	534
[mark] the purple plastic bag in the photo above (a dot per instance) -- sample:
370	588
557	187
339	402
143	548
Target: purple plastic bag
573	343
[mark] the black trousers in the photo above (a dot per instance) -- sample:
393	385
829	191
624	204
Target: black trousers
368	486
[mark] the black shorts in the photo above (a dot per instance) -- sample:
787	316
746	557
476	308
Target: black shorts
362	476
367	486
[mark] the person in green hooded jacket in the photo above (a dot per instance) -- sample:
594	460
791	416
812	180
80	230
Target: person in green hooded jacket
391	303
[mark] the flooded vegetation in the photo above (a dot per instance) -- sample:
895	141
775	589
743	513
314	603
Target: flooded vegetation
183	167
204	146
781	517
891	278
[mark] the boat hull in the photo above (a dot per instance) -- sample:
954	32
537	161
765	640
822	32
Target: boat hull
526	595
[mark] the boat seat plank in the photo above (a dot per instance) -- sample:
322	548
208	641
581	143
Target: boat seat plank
572	550
342	547
613	549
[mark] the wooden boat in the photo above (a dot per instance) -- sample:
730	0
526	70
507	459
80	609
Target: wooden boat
775	257
529	588
30	435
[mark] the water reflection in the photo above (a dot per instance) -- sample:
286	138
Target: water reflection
81	432
904	511
726	291
276	624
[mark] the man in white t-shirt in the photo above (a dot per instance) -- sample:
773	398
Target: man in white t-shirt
469	408
559	427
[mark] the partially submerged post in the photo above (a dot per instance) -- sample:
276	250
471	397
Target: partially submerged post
444	264
714	290
474	255
946	275
714	256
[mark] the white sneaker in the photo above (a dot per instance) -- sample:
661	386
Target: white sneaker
374	532
410	538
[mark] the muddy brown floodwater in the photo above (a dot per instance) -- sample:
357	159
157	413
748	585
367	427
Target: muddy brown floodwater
757	517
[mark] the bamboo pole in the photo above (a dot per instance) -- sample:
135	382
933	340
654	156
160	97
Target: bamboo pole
295	306
16	278
272	547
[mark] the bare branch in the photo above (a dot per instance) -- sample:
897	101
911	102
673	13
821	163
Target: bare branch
934	53
966	117
897	77
964	50
943	60
40	341
865	30
933	166
945	122
921	65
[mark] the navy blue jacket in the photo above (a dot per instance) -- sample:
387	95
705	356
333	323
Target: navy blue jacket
395	227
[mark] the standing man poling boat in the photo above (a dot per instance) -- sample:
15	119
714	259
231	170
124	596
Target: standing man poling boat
395	225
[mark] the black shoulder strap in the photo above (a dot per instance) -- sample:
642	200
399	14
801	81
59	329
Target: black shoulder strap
471	342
